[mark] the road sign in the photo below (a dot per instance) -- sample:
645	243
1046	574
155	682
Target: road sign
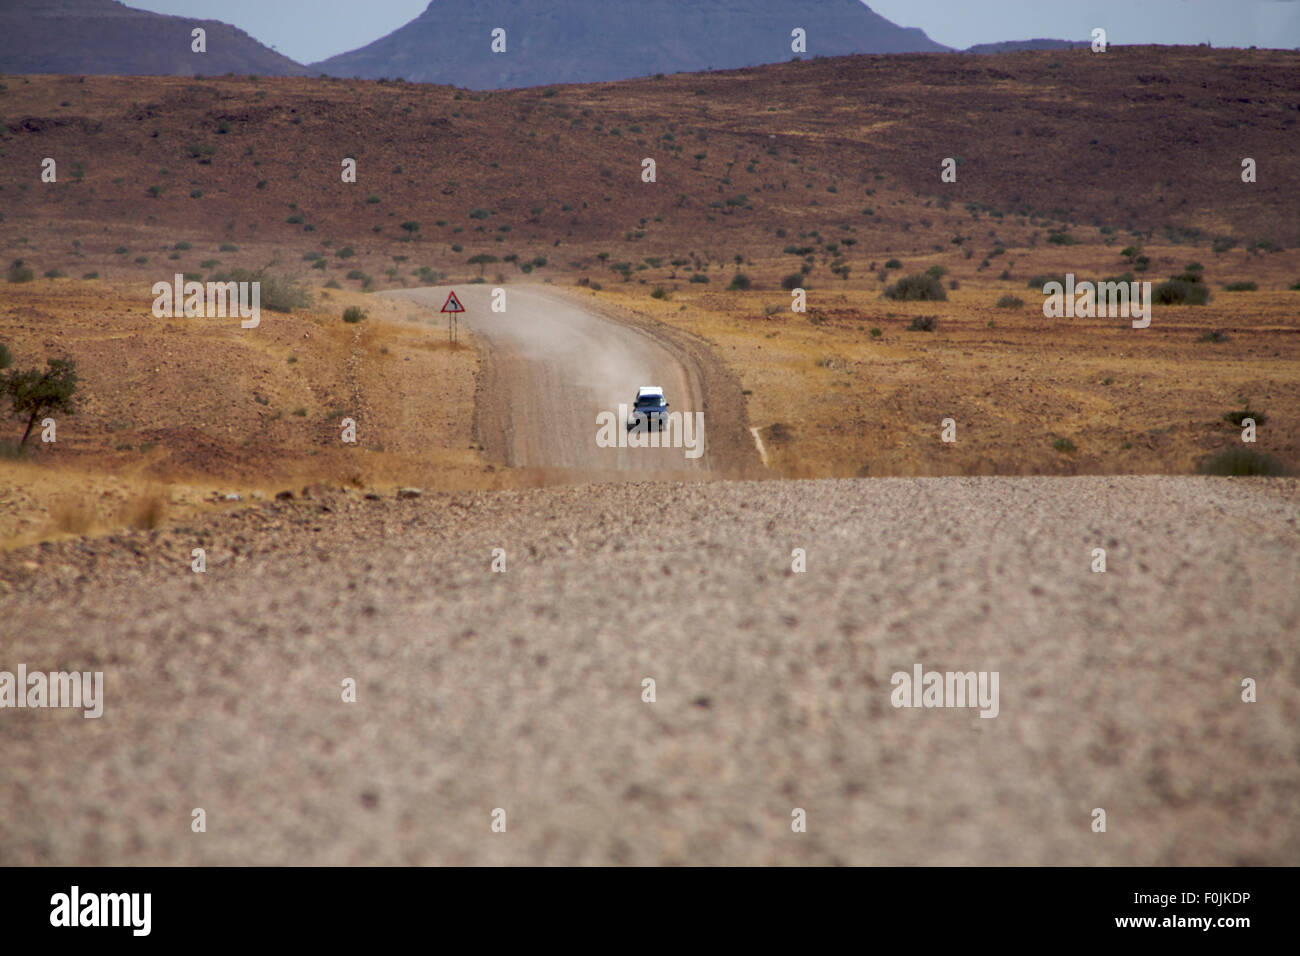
452	304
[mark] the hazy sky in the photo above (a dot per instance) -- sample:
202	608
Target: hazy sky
309	30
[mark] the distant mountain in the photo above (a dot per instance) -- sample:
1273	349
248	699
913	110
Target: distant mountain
1014	46
103	36
581	41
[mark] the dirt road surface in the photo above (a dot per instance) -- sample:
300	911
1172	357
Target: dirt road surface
553	364
522	690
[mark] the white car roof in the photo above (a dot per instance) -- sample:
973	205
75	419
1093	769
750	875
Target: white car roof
645	390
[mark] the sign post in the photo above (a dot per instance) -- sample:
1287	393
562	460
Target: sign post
453	308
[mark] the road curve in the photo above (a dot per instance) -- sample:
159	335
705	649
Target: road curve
552	365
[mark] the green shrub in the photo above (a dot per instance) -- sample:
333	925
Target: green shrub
893	264
1037	282
659	293
923	323
1242	462
876	333
283	294
228	247
1010	302
20	273
1180	292
739	282
1064	445
1240	416
917	288
353	314
1241	287
793	281
699	278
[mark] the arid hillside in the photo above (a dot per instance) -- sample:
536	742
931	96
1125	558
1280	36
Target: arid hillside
823	174
1136	140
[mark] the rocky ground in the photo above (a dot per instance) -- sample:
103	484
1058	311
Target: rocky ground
522	690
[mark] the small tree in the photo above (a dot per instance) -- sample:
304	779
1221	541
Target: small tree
481	260
35	393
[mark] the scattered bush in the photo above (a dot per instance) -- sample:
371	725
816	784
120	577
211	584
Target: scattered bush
793	281
283	294
1239	462
1240	416
1010	302
1064	445
353	314
20	273
1180	292
923	323
1241	287
739	282
893	264
917	288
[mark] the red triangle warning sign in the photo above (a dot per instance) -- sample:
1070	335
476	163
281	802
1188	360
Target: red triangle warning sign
452	304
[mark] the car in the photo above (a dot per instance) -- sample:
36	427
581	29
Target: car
650	408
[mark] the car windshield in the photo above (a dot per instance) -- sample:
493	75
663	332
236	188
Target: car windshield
649	401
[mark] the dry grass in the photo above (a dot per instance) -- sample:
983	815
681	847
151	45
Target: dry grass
147	510
832	400
71	514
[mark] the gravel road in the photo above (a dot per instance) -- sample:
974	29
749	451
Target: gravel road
552	363
522	690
